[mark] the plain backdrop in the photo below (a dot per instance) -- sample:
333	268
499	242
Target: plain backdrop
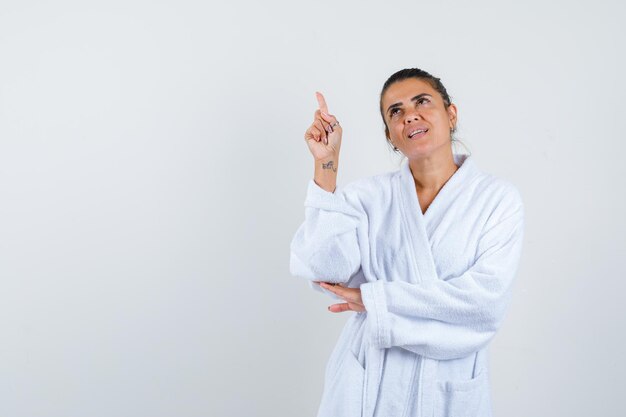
153	172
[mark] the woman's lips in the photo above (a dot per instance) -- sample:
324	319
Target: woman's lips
417	135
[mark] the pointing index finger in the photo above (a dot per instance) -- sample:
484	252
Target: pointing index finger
322	102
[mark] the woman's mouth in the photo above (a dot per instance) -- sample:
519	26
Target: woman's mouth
417	133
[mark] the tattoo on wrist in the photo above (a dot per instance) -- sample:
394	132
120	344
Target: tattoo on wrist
329	165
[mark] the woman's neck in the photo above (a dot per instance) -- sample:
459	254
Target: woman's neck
432	172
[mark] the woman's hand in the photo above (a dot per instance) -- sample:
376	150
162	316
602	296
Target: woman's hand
351	295
324	135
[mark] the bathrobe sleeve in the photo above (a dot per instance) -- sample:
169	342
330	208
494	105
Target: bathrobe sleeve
325	247
451	318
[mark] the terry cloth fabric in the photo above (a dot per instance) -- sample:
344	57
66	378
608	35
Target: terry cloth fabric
436	287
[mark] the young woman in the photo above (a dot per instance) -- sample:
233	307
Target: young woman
425	255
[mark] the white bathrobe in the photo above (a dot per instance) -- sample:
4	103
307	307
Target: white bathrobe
436	287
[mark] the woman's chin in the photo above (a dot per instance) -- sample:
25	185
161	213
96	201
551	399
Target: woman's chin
423	149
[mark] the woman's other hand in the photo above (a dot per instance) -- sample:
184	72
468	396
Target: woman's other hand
354	302
324	135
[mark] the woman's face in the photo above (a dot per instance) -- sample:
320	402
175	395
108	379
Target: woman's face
412	105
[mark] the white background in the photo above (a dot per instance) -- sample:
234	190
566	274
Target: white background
153	172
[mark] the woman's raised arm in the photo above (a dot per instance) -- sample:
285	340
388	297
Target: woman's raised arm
325	247
323	138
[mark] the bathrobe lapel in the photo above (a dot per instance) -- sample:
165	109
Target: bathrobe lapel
420	254
419	224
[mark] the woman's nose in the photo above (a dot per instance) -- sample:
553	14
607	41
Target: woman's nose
411	117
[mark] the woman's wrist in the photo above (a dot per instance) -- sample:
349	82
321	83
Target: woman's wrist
326	173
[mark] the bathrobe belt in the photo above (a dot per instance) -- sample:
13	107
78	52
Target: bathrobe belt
373	377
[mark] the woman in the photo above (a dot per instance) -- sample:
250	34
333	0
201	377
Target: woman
425	255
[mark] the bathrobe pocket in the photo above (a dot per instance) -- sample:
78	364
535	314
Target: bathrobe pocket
455	398
343	394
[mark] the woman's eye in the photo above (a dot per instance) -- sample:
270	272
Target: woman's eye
422	100
393	111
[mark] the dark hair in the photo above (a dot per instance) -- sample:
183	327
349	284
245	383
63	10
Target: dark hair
406	73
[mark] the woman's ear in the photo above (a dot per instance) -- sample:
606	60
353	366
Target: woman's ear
452	115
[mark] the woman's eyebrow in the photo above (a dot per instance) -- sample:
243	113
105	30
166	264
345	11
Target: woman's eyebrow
417	97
